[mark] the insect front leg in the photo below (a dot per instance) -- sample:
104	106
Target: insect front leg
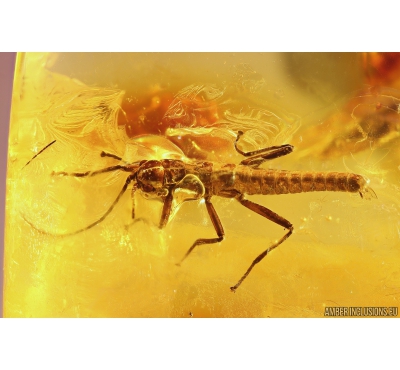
217	226
261	155
166	211
133	191
134	219
272	216
194	189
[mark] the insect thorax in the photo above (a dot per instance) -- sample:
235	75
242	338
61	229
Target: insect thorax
154	177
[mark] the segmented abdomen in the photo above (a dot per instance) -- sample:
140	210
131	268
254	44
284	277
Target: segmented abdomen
260	181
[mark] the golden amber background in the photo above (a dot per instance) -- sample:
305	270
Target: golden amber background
344	252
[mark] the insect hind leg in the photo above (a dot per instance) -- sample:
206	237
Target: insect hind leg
272	216
259	156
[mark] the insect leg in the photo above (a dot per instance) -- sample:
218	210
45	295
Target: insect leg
134	188
272	216
166	211
274	153
261	155
134	219
217	226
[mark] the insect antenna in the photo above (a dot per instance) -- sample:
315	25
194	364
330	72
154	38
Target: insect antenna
121	193
105	154
48	145
132	168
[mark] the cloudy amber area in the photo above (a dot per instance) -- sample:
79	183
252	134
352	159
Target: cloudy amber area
344	252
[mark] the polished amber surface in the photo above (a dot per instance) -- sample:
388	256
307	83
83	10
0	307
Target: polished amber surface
339	111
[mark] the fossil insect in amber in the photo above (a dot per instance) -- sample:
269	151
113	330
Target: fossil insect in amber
199	179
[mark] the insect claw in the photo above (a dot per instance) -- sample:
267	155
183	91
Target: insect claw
233	289
178	264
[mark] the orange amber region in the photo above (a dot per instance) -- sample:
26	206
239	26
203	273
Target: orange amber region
382	69
141	116
147	115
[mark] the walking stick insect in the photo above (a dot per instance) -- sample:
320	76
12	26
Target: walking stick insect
162	178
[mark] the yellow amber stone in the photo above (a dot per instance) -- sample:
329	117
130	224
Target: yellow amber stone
344	252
